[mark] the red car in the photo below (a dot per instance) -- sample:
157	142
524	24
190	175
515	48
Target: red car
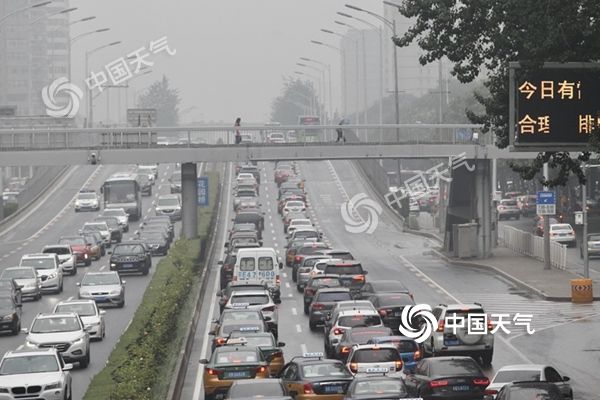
282	174
80	248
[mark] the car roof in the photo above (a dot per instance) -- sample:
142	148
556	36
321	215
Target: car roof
250	292
75	301
102	273
522	367
24	352
55	315
38	255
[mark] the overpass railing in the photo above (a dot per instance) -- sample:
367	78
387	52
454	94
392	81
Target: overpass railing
532	245
197	136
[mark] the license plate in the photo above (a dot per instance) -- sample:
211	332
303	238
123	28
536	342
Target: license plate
236	374
451	342
101	299
596	245
333	389
127	265
562	234
461	388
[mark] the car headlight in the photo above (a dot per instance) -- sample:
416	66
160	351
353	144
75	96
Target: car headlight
85	256
52	275
113	264
115	292
8	317
78	341
84	294
51	386
3	390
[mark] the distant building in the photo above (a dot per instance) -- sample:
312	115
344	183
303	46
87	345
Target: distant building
34	50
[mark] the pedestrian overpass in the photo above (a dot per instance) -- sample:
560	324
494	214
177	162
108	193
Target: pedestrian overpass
468	199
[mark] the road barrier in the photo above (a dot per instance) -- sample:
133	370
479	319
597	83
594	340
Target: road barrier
582	291
531	245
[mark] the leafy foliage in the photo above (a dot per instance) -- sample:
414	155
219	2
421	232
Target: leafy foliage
161	96
485	35
297	98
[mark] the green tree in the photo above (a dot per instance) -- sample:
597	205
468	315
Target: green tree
165	99
485	35
297	98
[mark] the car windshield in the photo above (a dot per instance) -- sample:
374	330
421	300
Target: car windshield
246	193
114	212
29	365
39	263
94	227
272	388
83	309
168	202
55	324
529	393
393	300
516	376
86	196
128	249
380	386
294	204
329	297
241	316
325	370
18	273
251	299
77	240
374	355
236	357
561	227
57	250
454	367
100	279
258	341
359	320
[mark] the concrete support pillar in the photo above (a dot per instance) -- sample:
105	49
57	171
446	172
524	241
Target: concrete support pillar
189	194
483	199
1	191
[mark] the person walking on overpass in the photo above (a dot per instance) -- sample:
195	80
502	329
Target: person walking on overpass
238	135
340	132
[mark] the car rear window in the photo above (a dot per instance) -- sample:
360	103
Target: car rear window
325	370
235	357
516	376
247	264
334	296
325	282
560	227
311	249
344	270
57	250
359	320
393	300
265	263
379	386
455	367
376	355
254	299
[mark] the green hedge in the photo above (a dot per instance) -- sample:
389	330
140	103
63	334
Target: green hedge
140	366
9	209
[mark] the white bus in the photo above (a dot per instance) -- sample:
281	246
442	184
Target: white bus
122	190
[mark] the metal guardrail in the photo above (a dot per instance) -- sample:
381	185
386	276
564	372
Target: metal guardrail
532	246
195	136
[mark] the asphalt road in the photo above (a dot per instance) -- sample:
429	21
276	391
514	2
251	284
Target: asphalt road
562	336
45	224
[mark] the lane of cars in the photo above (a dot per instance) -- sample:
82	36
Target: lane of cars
61	337
363	354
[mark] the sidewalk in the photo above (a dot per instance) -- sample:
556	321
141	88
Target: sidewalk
527	273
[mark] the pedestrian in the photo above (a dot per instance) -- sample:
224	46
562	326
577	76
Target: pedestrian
238	135
340	133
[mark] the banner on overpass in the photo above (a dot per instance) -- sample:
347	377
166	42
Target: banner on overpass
203	191
554	107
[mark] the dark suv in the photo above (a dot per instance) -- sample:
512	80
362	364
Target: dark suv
130	257
351	273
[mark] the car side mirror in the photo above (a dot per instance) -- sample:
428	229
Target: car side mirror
24	330
78	284
226	244
124	282
280	265
109	252
220	263
566	378
102	312
20	287
260	243
278	301
281	344
268	319
203	361
68	367
87	328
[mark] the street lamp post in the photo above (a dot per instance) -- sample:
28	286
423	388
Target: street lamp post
316	79
357	62
343	65
10	14
584	239
90	119
329	76
323	83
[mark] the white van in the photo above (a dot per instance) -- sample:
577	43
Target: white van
259	265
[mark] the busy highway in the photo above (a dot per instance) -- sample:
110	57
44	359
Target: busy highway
391	254
53	217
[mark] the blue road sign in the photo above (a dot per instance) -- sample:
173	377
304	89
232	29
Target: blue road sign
203	191
546	197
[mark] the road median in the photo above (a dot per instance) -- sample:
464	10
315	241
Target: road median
143	361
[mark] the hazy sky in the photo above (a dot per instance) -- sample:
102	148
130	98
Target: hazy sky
231	56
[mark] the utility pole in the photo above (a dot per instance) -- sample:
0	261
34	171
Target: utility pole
547	264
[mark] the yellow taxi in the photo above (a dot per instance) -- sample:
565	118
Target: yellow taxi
312	377
232	362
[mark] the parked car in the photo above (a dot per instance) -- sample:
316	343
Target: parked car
593	245
563	233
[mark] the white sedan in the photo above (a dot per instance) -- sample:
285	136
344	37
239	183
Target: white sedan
563	233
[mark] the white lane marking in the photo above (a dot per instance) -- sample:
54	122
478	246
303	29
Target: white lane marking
102	268
67	206
499	337
298	328
162	181
70	298
285	274
199	382
294	311
287	285
290	295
